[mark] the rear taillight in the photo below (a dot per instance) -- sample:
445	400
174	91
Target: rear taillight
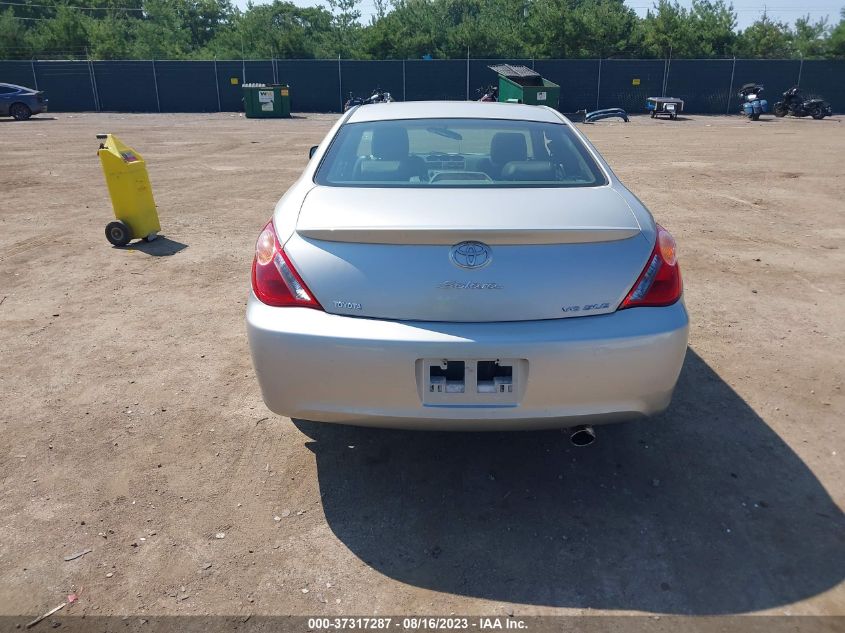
660	282
274	279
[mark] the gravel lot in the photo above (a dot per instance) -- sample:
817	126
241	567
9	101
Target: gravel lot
132	423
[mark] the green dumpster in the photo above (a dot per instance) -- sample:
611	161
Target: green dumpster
520	84
266	101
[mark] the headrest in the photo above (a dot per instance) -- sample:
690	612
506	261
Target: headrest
390	143
508	146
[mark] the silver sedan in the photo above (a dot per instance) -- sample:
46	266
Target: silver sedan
462	265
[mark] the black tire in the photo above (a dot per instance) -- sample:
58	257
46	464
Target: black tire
817	113
652	114
20	111
754	116
118	234
780	110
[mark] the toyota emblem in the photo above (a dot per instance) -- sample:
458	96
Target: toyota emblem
470	255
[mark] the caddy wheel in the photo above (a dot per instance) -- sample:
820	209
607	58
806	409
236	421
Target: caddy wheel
118	234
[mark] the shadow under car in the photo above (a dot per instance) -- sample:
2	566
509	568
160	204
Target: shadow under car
702	510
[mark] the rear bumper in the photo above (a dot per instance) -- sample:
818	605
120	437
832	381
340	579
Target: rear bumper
331	368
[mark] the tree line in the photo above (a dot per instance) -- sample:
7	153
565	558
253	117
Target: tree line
403	29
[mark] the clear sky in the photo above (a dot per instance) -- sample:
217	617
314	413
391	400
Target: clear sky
747	10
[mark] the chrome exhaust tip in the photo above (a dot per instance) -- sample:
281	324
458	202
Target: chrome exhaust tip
582	436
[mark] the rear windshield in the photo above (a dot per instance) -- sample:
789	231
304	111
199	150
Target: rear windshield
457	153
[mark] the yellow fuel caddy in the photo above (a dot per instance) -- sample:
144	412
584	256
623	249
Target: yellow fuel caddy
130	192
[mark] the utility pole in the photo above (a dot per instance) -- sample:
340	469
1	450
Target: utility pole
731	87
800	69
243	60
155	83
598	85
93	81
340	82
216	85
467	73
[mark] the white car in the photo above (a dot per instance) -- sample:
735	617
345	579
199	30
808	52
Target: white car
464	265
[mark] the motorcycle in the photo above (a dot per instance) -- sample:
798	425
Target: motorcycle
352	101
795	104
752	105
378	96
488	94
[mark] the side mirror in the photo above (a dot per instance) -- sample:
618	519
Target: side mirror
312	151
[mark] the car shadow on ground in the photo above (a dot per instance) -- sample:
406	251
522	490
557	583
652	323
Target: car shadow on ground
159	247
703	510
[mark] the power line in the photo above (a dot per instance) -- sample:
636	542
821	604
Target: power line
373	5
68	6
766	8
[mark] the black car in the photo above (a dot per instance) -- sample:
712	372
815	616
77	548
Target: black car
20	102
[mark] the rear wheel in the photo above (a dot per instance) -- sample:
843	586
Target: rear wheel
118	234
780	110
817	113
755	116
20	111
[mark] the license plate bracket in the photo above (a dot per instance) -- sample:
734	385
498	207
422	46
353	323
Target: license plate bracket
470	381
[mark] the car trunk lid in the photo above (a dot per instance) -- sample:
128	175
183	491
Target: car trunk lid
388	253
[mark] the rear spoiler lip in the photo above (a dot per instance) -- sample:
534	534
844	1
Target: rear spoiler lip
453	235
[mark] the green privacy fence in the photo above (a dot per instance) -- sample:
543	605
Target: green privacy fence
708	86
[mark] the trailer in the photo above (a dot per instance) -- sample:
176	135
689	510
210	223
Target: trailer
669	106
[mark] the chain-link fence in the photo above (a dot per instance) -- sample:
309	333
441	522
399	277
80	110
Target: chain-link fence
708	86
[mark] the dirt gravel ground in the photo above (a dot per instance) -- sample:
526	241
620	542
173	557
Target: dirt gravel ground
132	423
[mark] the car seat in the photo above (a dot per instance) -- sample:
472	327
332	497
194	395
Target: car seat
389	159
505	147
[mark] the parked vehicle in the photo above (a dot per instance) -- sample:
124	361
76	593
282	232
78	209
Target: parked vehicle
752	105
669	106
352	101
795	104
378	96
488	93
20	102
464	265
